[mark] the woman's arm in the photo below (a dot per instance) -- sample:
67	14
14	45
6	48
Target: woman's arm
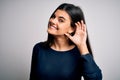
33	63
90	70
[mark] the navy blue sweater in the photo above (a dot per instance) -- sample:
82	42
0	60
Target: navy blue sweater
49	64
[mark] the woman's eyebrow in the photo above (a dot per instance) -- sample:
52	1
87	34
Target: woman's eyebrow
62	17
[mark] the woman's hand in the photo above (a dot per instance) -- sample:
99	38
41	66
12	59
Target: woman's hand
80	37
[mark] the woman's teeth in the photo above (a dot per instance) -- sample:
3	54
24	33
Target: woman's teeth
53	27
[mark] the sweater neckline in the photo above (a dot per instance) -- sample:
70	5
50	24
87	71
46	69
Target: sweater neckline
56	51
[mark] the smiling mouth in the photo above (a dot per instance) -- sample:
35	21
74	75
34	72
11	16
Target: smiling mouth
53	27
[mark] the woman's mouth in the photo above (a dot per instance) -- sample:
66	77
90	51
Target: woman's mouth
53	27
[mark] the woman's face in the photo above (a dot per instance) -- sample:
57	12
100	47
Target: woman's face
60	23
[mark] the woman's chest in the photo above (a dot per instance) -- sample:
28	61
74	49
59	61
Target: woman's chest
61	65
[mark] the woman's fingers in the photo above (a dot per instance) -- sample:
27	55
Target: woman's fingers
69	36
80	26
83	26
80	34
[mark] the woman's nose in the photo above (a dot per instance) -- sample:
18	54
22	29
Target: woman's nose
54	20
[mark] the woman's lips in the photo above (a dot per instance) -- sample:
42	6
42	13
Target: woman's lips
53	27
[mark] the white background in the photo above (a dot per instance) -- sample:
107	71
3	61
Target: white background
23	23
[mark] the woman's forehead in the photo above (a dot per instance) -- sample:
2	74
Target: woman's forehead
62	13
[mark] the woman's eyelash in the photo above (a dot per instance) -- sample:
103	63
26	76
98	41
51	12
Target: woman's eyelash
60	20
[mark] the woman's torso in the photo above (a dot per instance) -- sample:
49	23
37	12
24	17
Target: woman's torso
57	65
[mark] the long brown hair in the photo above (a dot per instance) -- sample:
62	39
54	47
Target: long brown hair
76	14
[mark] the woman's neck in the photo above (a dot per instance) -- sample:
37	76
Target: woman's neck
61	44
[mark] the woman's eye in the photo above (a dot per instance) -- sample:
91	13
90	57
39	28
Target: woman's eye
60	20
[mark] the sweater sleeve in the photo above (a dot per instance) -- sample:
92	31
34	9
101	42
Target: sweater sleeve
33	63
90	70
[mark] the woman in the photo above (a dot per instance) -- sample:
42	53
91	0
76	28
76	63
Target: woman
66	55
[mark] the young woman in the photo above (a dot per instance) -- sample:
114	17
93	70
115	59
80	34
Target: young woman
66	55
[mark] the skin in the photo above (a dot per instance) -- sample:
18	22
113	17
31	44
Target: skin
59	26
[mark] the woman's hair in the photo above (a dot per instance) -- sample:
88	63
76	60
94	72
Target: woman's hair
76	14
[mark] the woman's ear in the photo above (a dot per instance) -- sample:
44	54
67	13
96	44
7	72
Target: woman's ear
72	31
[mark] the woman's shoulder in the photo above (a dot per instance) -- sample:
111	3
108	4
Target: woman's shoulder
40	45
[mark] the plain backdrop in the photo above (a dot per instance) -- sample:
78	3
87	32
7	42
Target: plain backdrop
23	23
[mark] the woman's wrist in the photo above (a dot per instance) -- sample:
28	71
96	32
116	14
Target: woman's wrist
83	49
